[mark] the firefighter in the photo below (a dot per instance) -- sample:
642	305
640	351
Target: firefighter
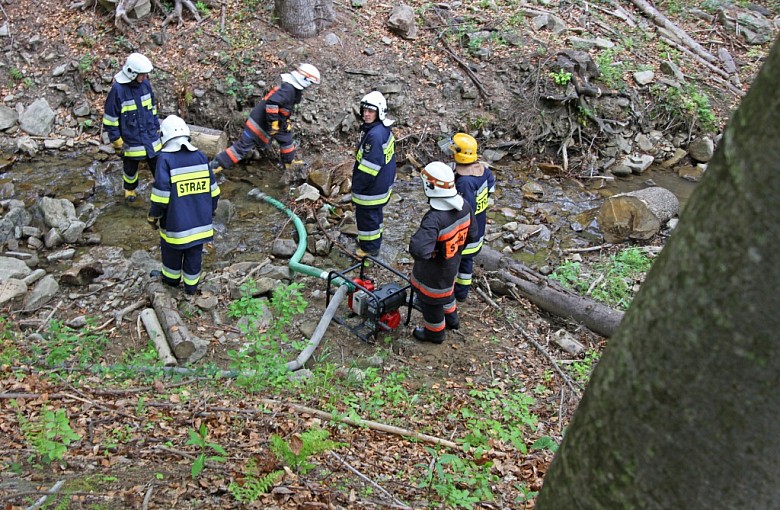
130	119
436	247
270	120
184	200
373	174
475	183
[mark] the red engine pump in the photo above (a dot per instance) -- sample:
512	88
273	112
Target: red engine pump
381	306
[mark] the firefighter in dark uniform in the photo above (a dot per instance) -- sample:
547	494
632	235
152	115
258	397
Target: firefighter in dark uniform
373	174
184	200
270	120
475	183
436	247
130	119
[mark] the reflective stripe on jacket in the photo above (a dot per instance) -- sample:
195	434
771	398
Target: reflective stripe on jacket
131	113
185	196
374	171
476	190
280	103
437	247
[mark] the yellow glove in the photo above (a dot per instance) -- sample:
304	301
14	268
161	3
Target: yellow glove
289	126
216	167
118	143
153	222
274	128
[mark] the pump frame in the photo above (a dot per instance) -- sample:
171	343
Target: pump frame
367	328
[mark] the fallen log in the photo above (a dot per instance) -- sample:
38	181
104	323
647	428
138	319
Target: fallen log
637	214
210	141
549	295
182	343
153	327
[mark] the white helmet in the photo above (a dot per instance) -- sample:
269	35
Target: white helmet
136	64
376	101
176	131
438	182
303	76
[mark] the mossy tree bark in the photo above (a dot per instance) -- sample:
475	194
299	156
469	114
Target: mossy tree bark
682	411
304	18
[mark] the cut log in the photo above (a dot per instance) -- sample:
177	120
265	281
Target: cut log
637	214
153	327
549	295
181	342
210	141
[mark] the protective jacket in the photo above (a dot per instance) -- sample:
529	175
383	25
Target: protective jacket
475	182
131	113
277	106
184	197
437	247
374	171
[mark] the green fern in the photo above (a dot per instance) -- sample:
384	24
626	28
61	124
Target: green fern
295	452
252	486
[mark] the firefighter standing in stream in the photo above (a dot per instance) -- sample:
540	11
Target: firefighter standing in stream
436	247
475	183
373	174
130	119
270	120
184	200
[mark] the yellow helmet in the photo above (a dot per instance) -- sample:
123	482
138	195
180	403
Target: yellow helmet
465	148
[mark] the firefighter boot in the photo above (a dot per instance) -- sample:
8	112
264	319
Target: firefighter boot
423	335
452	320
130	195
295	171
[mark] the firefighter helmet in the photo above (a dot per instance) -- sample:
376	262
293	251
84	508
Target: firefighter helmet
136	64
303	76
438	182
175	131
464	147
375	101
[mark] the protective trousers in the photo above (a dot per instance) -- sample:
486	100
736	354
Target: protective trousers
437	317
463	279
130	171
370	225
178	264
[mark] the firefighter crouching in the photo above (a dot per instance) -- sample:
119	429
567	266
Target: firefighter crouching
436	247
373	174
270	120
184	200
130	119
475	183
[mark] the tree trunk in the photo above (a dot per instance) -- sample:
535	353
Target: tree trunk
304	18
637	214
682	411
549	295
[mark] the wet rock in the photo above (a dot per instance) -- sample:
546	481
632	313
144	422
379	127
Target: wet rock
676	157
702	149
644	77
283	248
34	276
52	238
27	145
38	118
42	293
8	118
692	173
61	255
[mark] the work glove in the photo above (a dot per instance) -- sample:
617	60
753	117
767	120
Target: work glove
153	222
274	128
289	126
216	167
118	143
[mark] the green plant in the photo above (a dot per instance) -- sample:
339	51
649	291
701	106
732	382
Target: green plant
582	369
62	344
202	7
610	71
262	361
561	78
50	435
545	443
253	484
198	439
460	483
567	274
295	452
15	74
